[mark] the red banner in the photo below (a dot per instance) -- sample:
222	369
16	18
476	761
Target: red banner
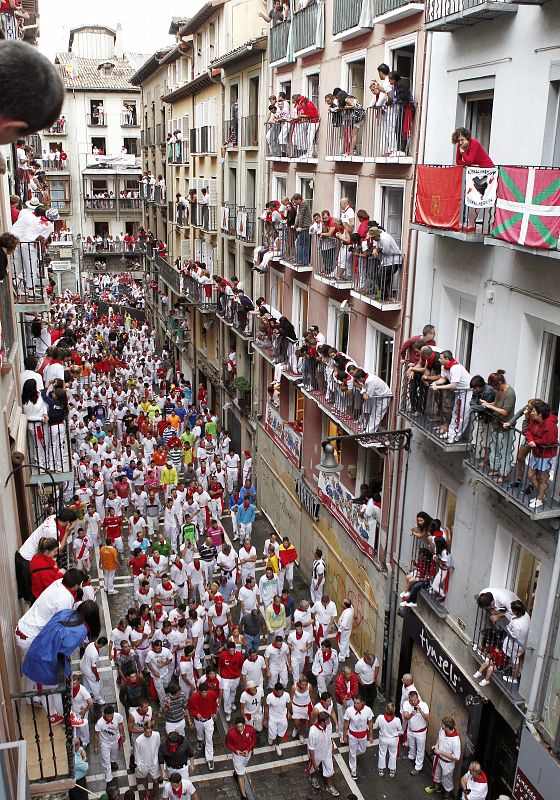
438	197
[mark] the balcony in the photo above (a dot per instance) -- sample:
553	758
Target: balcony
278	350
152	193
431	578
55	163
9	25
245	224
292	140
230	134
169	275
48	447
100	205
309	29
208	217
332	261
384	136
295	249
202	294
250	131
57	129
450	15
129	204
346	406
178	152
62	206
233	314
228	219
453	219
502	459
110	247
49	748
97	120
491	642
442	416
377	281
278	44
129	118
203	140
29	277
351	18
387	11
181	215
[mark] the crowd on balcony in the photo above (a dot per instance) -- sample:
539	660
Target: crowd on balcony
292	126
431	561
30	170
25	243
174	145
443	397
53	158
501	636
119	243
149	183
59	126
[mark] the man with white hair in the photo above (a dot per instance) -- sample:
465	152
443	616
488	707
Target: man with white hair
474	783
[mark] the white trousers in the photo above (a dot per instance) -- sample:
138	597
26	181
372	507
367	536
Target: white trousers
229	686
356	747
443	774
160	689
109	752
288	575
278	674
153	525
389	746
245	529
297	667
108	580
416	748
344	644
316	594
276	728
175	726
204	733
93	686
240	763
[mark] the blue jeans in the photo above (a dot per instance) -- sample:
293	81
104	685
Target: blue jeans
303	247
252	641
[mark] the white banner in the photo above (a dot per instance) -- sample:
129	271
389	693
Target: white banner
241	228
481	184
122	160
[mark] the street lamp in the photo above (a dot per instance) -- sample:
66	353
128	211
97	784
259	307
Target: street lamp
388	440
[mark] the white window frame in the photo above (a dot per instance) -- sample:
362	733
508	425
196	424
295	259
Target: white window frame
276	176
389	183
275	279
304	176
315	70
345	61
396	44
545	362
281	80
297	289
337	196
374	330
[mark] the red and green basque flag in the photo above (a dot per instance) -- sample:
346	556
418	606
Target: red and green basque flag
528	207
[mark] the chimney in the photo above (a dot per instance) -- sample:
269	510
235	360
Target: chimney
119	52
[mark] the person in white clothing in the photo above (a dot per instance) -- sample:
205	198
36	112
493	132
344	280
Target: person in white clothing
160	663
197	576
197	638
325	665
474	783
268	588
253	669
277	710
300	643
323	613
109	738
447	752
247	560
251	704
89	668
318	577
320	749
407	687
277	659
231	462
417	715
390	729
345	623
357	730
60	595
454	377
146	759
247	596
179	787
81	706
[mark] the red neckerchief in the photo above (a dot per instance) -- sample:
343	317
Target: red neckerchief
276	608
173	746
450	363
389	717
130	682
299	634
482	779
175	792
75	690
453	732
327	655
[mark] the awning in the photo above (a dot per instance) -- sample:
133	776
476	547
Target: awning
246	50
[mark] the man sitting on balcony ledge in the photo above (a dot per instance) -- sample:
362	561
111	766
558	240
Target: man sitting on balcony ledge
456	378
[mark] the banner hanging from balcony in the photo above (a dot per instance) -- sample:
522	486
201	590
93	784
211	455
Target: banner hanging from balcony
528	207
481	184
438	197
241	227
286	438
338	500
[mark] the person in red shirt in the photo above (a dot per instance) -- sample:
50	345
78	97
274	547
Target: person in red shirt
43	567
241	740
230	663
202	710
122	487
305	131
113	530
470	153
346	688
137	562
160	456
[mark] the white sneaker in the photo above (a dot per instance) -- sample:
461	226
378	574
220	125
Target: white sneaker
484	683
477	674
294	734
535	503
278	750
302	738
228	717
353	776
113	592
332	790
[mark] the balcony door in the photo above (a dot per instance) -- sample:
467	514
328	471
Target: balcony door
523	575
549	378
479	117
392	200
300	305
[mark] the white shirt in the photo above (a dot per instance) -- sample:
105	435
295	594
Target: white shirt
406	690
388	730
458	375
29	547
157	661
477	790
299	646
365	673
416	722
187	790
448	744
109	731
55	597
324	615
320	741
358	720
503	599
277	656
80	701
253	702
346	619
247	598
89	660
146	749
348	216
278	706
253	670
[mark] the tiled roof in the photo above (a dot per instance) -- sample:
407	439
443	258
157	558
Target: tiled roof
90	77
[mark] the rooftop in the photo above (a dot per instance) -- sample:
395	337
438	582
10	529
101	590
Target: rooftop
83	74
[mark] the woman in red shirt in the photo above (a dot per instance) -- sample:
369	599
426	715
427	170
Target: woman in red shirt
470	153
43	567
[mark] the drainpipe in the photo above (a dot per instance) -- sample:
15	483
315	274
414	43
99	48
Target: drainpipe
545	633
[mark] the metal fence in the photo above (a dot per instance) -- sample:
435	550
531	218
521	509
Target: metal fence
100	203
378	277
369	133
169	274
295	139
305	26
178	152
202	295
6	318
346	15
203	140
48	445
495	648
332	259
295	246
472	220
250	130
228	222
278	40
9	26
245	224
279	349
208	217
29	279
230	133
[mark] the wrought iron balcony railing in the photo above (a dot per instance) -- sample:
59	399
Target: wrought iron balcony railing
29	277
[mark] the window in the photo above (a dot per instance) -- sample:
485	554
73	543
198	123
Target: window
523	574
549	378
99	143
279	186
447	502
232	186
300	303
403	62
254	87
99	186
392	198
131	146
101	228
305	188
370	469
250	191
338	324
356	77
60	194
276	290
345	187
478	117
286	87
299	405
379	352
312	89
97	113
463	344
